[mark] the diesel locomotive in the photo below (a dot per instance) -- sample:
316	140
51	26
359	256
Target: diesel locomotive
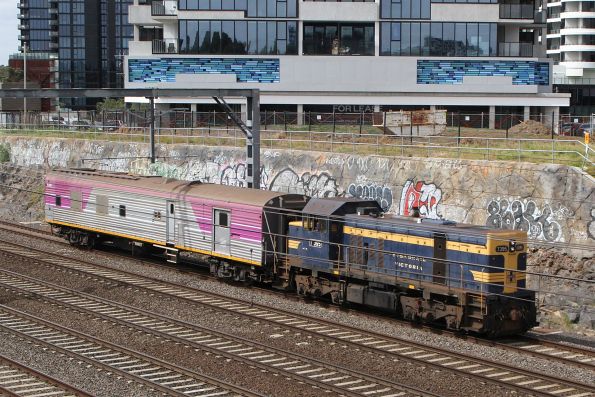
346	250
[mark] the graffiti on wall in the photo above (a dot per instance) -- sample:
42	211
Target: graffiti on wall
371	191
539	223
315	185
425	196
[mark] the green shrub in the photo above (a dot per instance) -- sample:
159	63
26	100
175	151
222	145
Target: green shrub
4	153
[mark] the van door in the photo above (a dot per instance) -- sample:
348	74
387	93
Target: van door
439	270
170	227
222	231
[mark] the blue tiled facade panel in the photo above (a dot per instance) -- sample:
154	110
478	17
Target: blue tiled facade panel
164	70
452	72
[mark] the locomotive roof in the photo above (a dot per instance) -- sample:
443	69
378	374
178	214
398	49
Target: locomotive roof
330	206
176	187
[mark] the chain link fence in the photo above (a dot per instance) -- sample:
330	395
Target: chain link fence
507	125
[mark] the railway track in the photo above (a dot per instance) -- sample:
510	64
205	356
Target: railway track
134	366
304	369
527	345
506	376
20	380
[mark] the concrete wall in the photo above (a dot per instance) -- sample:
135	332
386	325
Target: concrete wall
363	74
555	203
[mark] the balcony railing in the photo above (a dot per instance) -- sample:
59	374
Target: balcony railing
166	46
515	49
164	8
517	11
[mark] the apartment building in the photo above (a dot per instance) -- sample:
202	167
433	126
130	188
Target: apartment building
571	44
87	39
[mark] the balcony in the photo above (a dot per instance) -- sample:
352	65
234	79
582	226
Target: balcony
164	8
166	46
515	49
517	11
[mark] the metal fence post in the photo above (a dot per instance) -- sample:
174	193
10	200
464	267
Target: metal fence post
361	122
411	127
459	129
553	113
334	121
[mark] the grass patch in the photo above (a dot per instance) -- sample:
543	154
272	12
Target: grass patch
469	144
4	153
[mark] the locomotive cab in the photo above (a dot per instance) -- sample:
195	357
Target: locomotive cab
314	242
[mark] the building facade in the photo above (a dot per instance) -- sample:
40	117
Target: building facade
42	70
477	55
571	44
89	38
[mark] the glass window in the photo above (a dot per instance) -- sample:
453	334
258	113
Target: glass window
472	40
241	37
483	39
238	37
253	8
460	39
215	37
227	35
203	45
338	39
438	39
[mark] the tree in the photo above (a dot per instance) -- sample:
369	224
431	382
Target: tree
111	104
10	75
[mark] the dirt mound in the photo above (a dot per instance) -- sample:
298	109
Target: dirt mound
531	127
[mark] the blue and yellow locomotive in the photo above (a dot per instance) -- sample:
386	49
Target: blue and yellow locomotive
463	276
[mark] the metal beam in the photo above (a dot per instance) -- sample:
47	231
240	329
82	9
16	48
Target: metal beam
123	92
252	154
254	113
152	129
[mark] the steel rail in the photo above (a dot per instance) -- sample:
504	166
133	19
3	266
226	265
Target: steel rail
21	380
486	370
549	350
159	375
302	368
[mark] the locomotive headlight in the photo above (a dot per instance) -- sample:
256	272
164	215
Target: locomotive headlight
512	246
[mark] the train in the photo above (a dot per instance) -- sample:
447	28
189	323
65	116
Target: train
345	250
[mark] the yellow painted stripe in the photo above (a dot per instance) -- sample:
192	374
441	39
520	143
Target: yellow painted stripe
135	238
293	244
484	277
216	254
424	241
296	223
464	247
499	277
144	240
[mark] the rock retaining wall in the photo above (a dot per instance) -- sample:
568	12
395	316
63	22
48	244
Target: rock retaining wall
554	203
